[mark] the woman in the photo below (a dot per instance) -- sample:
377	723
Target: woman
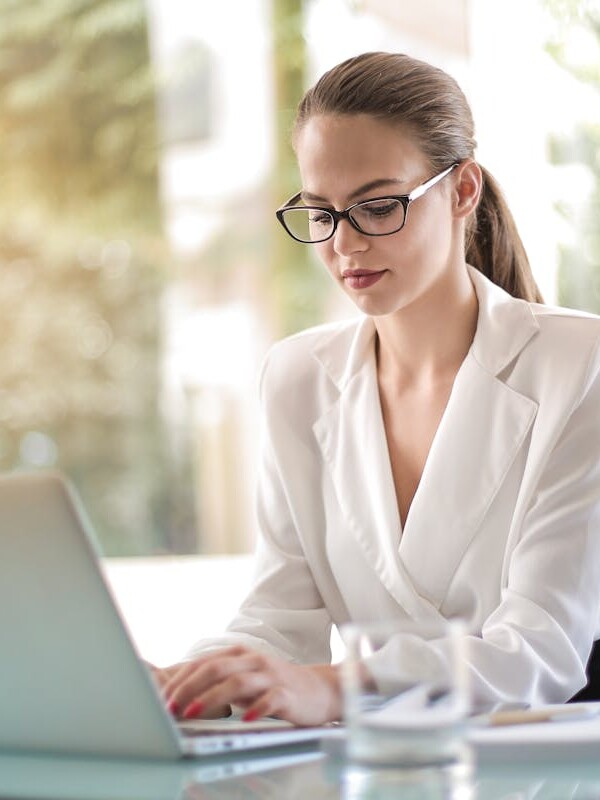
438	456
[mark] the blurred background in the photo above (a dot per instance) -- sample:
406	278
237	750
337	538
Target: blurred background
144	145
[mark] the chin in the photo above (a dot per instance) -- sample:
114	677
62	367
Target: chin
378	307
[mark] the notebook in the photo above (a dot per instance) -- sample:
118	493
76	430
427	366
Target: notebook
71	680
571	731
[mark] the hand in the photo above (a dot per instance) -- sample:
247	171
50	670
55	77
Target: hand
163	675
172	677
261	684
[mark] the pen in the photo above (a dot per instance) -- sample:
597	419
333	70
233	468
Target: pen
530	716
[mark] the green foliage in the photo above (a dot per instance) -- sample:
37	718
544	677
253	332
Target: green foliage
300	285
81	267
579	264
77	116
80	375
81	253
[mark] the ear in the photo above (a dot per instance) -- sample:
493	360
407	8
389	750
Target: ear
467	187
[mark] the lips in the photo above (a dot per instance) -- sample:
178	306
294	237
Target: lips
361	278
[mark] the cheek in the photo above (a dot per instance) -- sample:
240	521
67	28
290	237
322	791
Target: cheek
426	233
325	253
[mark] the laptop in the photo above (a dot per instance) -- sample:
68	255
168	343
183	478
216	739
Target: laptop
71	680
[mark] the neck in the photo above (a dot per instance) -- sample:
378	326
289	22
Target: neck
427	341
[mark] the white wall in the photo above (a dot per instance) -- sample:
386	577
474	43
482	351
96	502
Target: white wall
169	603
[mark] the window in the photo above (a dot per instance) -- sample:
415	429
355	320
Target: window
143	148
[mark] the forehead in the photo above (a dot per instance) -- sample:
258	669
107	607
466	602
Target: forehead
337	153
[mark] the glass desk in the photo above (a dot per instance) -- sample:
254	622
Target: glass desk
299	772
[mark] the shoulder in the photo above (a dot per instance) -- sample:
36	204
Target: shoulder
562	360
303	375
546	340
560	316
297	358
571	341
566	332
297	380
306	341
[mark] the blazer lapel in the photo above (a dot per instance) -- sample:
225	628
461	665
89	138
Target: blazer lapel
354	448
482	429
484	426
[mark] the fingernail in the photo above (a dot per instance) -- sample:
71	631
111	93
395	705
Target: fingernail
193	710
173	707
250	715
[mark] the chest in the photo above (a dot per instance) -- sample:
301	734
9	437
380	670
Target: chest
411	418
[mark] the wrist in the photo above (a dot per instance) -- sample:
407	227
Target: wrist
330	676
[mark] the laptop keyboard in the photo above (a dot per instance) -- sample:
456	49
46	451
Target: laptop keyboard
210	727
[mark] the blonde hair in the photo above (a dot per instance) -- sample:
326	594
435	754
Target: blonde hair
429	104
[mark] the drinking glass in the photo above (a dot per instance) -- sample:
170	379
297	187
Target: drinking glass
406	693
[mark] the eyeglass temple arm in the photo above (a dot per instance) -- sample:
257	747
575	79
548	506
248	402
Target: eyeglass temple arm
291	202
420	190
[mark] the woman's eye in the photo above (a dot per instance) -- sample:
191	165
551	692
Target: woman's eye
382	208
319	218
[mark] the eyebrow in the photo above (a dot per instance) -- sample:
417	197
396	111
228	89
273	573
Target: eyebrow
366	187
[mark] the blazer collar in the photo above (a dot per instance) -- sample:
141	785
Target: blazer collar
351	436
504	326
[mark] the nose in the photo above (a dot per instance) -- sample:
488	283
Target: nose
347	240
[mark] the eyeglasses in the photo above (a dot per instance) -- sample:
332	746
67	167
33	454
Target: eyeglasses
380	216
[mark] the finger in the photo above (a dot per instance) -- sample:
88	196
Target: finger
217	712
241	688
178	677
275	702
210	673
180	673
203	698
284	702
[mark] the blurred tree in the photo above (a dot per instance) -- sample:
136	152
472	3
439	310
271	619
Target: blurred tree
288	284
579	262
300	286
81	252
77	121
80	260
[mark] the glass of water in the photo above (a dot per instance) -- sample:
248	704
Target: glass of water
406	693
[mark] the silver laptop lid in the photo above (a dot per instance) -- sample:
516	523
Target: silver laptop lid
70	680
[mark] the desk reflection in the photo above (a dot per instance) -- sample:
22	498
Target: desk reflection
568	780
295	782
277	772
287	774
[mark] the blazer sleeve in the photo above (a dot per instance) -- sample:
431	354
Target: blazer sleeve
283	613
535	645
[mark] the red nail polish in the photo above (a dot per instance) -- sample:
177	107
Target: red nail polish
173	707
250	715
192	710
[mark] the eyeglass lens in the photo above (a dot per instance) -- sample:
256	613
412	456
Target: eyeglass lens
374	217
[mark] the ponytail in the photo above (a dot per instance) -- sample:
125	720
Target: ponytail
494	246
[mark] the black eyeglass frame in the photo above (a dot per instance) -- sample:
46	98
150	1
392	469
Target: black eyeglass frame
337	216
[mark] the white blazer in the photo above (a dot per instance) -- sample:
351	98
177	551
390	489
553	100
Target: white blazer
504	529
